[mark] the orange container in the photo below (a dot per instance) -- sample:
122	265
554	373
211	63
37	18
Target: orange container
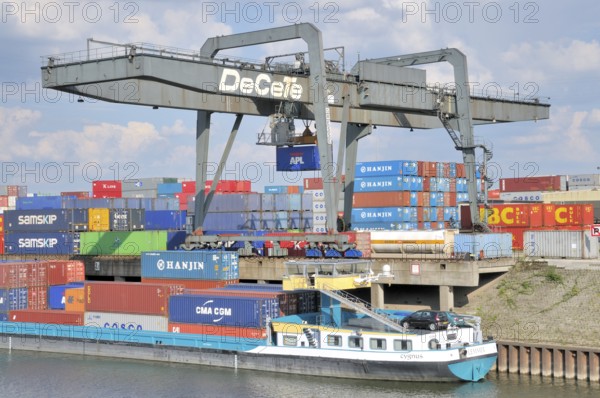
47	316
381	199
507	215
74	299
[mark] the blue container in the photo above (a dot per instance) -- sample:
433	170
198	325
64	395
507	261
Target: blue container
307	201
165	219
175	239
271	287
39	202
267	202
224	221
416	184
484	245
409	168
56	295
298	158
378	169
196	264
48	220
378	184
281	220
232	243
288	202
406	183
414	199
232	202
450	214
41	243
222	310
13	299
295	220
410	214
377	226
385	214
168	188
436	199
165	204
274	189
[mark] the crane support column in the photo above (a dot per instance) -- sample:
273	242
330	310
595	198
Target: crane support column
202	142
353	133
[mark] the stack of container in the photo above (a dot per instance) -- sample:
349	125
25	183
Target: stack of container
107	189
1	233
144	187
318	209
530	189
9	195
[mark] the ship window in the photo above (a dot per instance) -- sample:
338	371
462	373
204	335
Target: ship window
290	340
402	345
378	344
334	340
355	342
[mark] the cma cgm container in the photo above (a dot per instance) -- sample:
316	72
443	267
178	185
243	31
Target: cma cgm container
540	183
40	243
49	220
121	243
196	264
483	246
129	297
56	295
213	309
47	316
560	244
114	320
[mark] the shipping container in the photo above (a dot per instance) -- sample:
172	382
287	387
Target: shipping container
247	312
75	299
196	264
64	272
313	183
483	246
232	202
568	215
378	184
13	275
381	168
193	283
76	194
165	220
121	243
297	158
3	201
127	219
129	297
275	189
114	320
175	239
506	215
539	183
56	295
188	187
37	297
98	219
39	202
37	273
168	188
51	317
107	189
230	332
378	214
48	220
382	199
41	243
586	180
13	299
532	196
560	244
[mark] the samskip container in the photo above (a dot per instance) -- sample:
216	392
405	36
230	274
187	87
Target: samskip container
40	243
129	297
196	264
115	320
47	220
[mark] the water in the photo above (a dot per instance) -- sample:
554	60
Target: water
34	374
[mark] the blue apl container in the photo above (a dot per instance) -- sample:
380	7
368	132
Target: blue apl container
41	243
170	220
48	220
378	184
13	299
378	169
221	310
297	158
56	295
385	214
196	264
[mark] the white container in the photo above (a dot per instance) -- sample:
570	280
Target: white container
534	196
589	180
126	321
560	244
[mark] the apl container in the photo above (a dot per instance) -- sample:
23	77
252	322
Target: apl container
48	220
196	264
129	297
47	316
40	243
114	320
297	158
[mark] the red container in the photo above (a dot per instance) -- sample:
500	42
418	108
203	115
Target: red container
13	275
427	184
526	184
568	215
129	297
449	199
235	333
192	283
517	236
506	215
494	194
107	189
37	297
47	316
1	242
3	201
425	199
63	272
188	187
460	170
536	215
16	190
37	274
1	223
381	199
77	194
245	186
294	241
313	183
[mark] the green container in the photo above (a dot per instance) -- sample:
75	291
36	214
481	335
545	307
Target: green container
121	243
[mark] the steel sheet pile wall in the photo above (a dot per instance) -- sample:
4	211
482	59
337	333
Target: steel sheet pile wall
25	286
407	195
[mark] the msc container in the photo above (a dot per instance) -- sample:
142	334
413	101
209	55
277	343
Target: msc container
165	220
560	244
47	316
129	297
40	243
48	220
64	272
235	333
75	299
212	309
114	320
98	219
539	183
195	264
121	243
297	158
56	295
483	246
381	168
39	202
13	299
378	214
378	184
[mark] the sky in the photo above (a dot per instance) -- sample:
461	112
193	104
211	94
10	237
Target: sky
52	143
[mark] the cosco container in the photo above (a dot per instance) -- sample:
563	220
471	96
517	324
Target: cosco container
49	220
129	297
483	246
121	243
165	220
47	316
584	180
56	295
229	332
560	244
196	264
114	320
297	158
249	312
532	196
40	243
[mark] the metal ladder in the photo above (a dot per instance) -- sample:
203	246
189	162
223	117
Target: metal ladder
364	307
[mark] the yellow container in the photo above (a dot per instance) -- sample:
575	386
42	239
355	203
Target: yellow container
99	219
74	299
